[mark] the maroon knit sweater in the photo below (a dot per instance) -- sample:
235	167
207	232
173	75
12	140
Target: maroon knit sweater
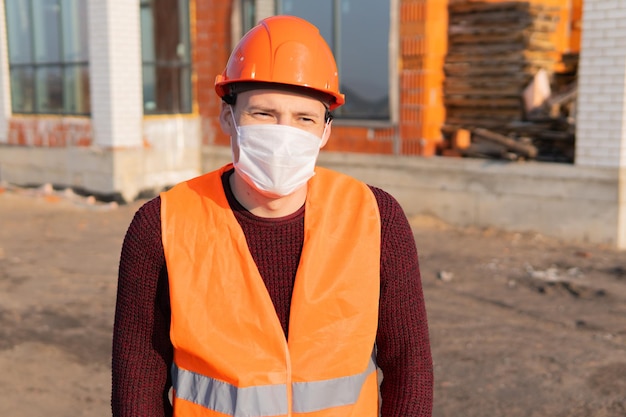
142	351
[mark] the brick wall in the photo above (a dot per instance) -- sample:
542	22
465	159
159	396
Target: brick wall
423	47
601	128
50	132
211	37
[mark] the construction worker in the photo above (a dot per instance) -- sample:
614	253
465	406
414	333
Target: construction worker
272	287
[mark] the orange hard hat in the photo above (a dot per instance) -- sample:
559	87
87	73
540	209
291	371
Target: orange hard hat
284	50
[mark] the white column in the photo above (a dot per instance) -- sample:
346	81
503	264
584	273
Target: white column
265	8
5	89
115	71
601	115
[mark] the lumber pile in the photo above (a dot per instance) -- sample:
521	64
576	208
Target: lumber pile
500	84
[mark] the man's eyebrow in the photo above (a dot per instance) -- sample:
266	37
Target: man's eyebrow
309	113
263	108
271	109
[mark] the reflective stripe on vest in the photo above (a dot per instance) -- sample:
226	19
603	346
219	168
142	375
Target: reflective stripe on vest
267	400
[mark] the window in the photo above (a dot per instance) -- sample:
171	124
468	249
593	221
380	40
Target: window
166	58
48	56
248	14
358	34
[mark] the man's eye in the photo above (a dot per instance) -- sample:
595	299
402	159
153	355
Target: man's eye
261	114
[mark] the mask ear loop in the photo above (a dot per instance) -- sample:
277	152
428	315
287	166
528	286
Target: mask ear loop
234	142
326	126
232	116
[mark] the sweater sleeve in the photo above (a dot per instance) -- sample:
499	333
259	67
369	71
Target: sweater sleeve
142	350
403	346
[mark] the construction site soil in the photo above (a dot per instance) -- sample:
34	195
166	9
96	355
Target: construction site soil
521	325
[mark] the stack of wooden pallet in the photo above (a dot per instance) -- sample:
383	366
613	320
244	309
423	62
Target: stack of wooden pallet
495	52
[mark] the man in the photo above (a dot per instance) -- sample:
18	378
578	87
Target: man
270	287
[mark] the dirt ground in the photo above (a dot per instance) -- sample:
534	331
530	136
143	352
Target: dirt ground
521	325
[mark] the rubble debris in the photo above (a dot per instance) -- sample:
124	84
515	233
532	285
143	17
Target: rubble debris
49	194
569	281
445	276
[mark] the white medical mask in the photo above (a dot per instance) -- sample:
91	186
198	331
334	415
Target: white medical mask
275	159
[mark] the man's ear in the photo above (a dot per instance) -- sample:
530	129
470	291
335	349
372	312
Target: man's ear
226	119
327	130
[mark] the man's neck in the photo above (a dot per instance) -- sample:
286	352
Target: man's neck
262	205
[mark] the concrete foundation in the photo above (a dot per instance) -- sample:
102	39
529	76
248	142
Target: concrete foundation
170	154
559	200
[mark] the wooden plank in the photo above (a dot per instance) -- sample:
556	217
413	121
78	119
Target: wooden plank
527	150
489	151
497	48
520	72
486	29
503	115
489	102
452	89
502	17
528	39
502	28
471	123
456	7
498	79
518	56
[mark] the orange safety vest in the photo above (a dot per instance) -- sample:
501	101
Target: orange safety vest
231	357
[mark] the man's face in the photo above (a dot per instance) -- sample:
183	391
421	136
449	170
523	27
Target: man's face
276	107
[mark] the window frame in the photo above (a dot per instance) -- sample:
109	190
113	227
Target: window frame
392	60
37	68
184	103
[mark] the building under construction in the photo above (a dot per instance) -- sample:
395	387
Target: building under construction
478	112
